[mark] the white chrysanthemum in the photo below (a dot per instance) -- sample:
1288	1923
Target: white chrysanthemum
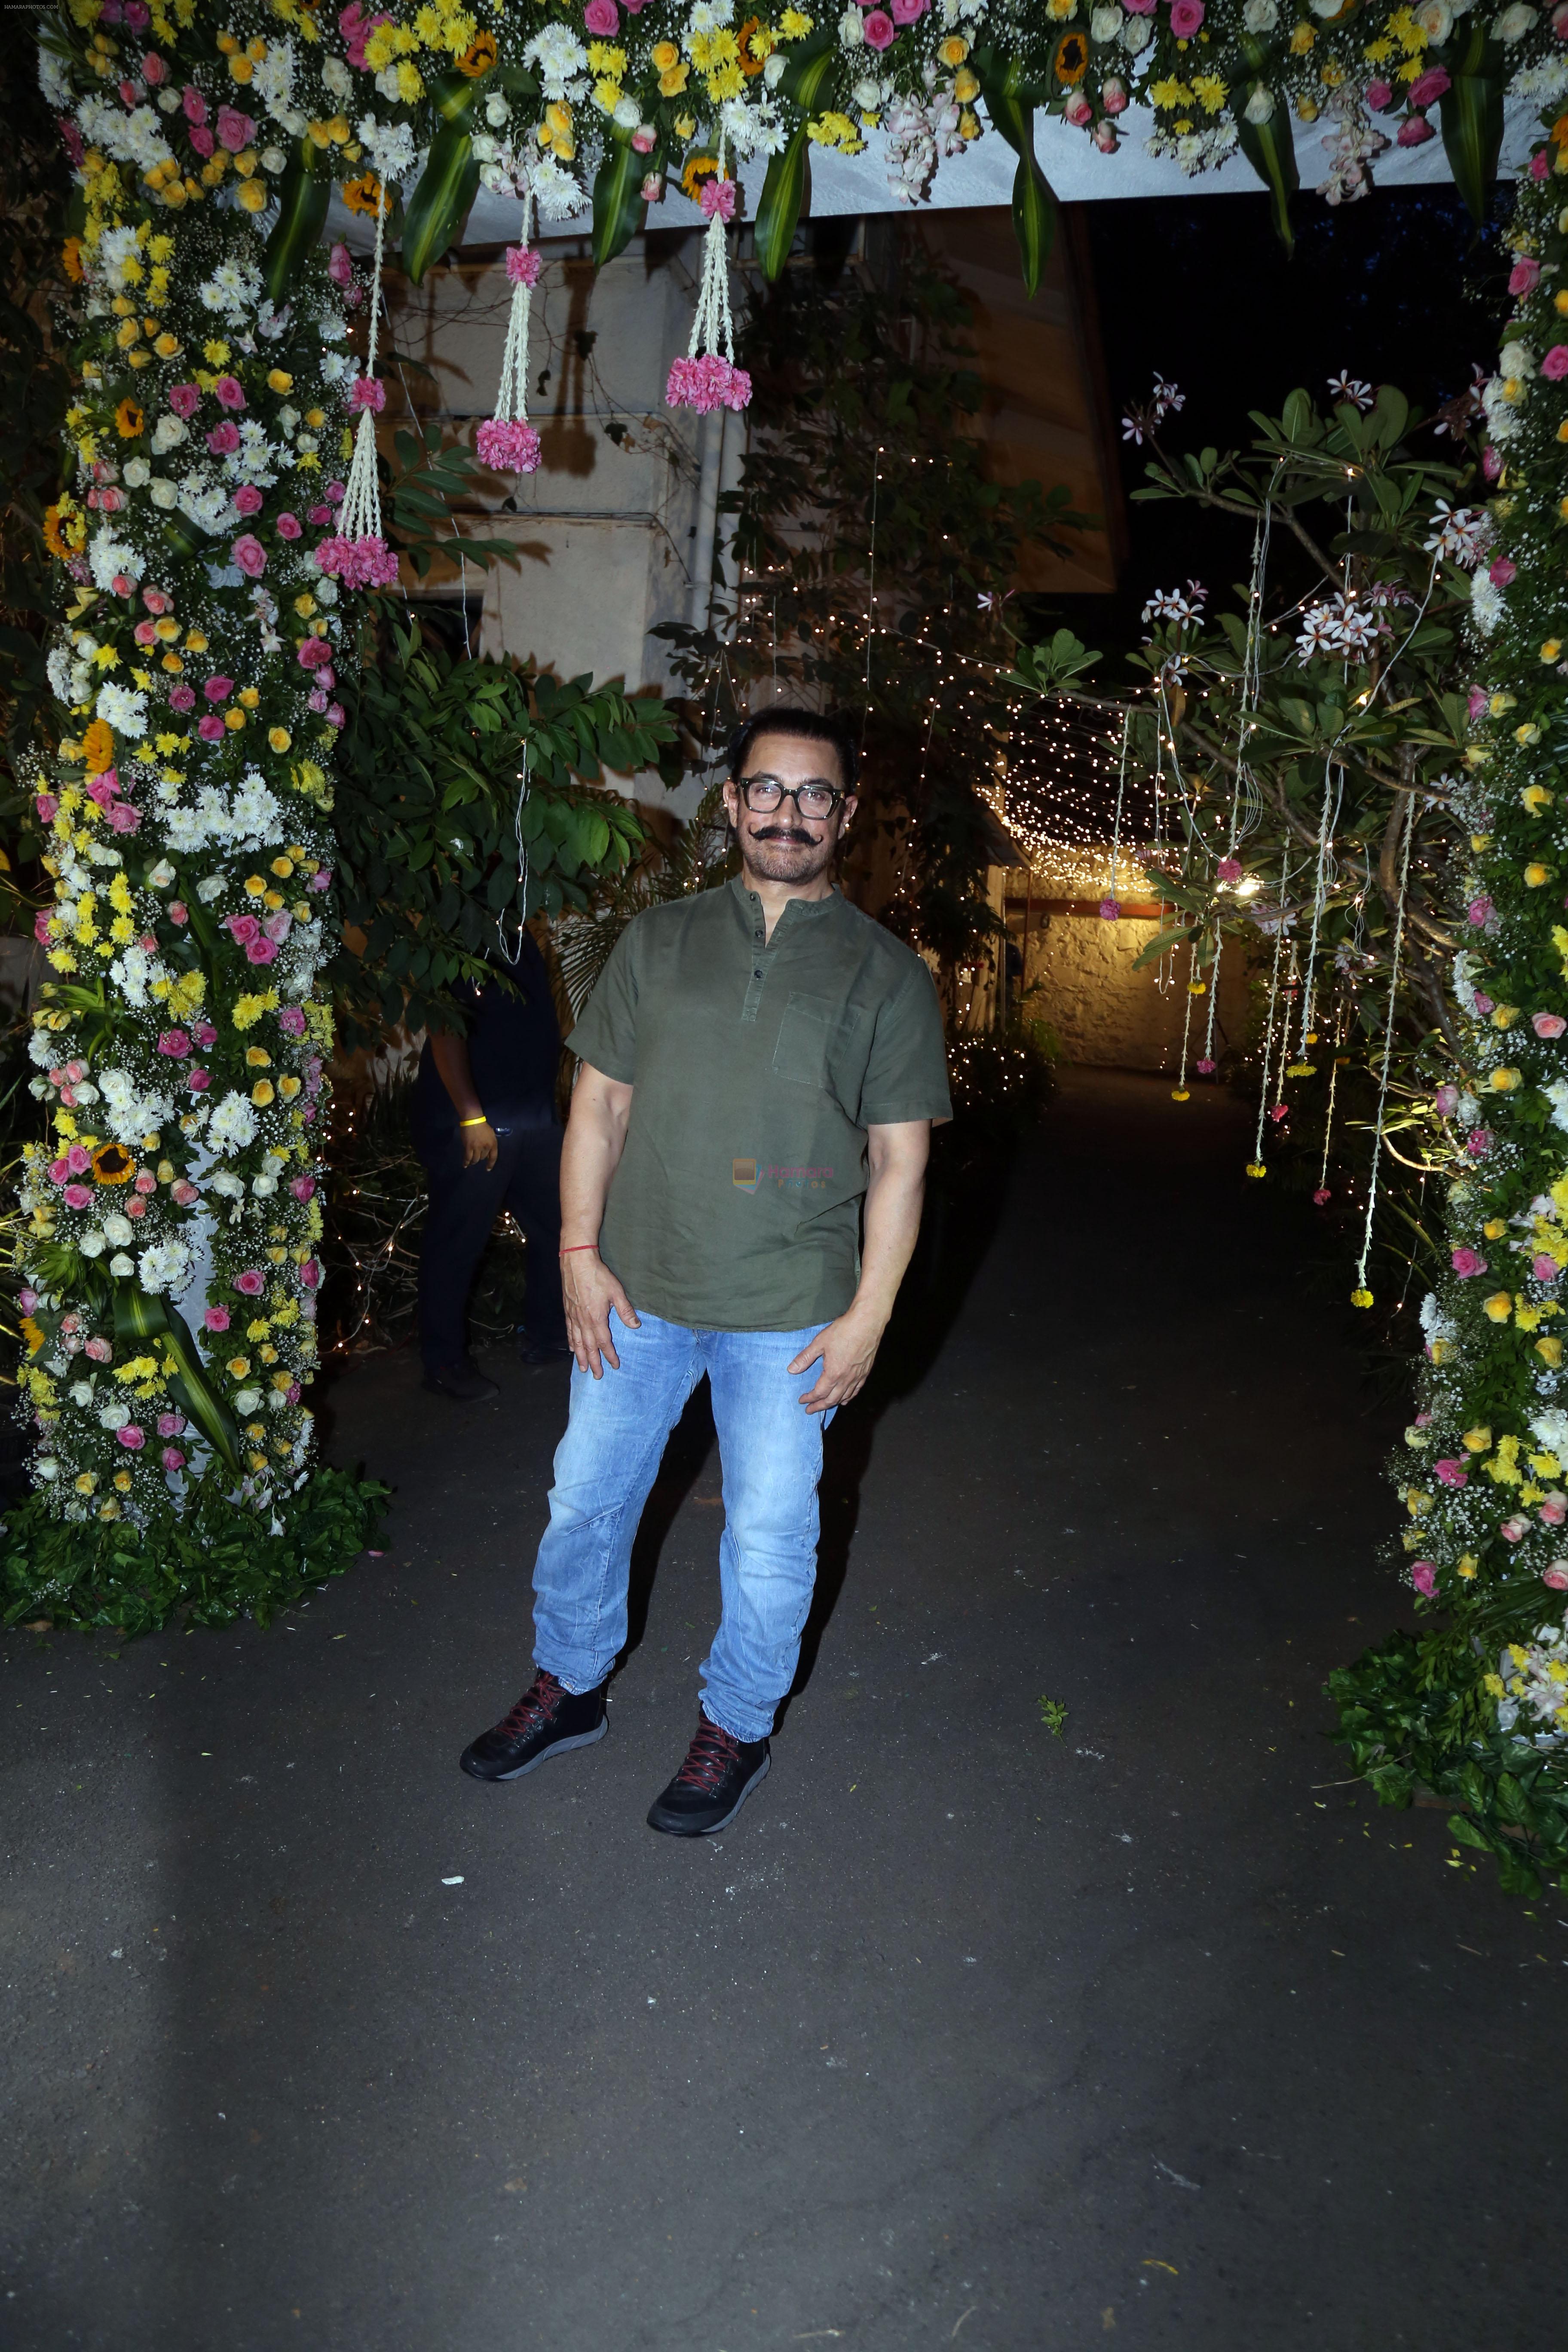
1557	1095
232	1125
1551	1426
54	81
135	138
110	559
1540	84
559	55
272	83
116	247
166	1265
123	708
389	145
41	1048
555	192
1485	603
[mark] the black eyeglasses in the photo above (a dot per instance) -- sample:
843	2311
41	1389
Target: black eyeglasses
761	794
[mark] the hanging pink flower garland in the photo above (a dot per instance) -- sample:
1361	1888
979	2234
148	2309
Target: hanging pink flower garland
708	378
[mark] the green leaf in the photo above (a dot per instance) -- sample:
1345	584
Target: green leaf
439	205
1034	205
302	199
778	212
1471	115
619	211
1270	149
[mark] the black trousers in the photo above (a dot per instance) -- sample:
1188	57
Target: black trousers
464	1205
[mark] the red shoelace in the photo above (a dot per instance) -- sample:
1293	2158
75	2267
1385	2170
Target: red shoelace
708	1758
537	1705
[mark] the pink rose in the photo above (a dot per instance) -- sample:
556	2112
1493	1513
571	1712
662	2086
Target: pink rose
1424	1577
247	499
218	690
185	399
1446	1101
291	1021
131	1437
1186	16
78	1160
251	1282
216	1318
1479	912
309	1273
203	1033
262	950
184	1192
175	1043
1524	277
145	634
1544	1269
236	130
602	18
155	600
250	555
1113	95
1414	131
228	392
181	698
202	139
322	880
124	818
1451	1472
1429	86
179	912
277	926
1503	572
644	140
136	1206
335	714
1548	1025
1479	1142
1477	703
1556	1576
145	1181
210	729
880	30
314	652
1141	8
303	1188
47	807
340	268
193	104
652	189
1378	96
78	1196
1077	111
155	72
908	12
318	515
101	1351
1491	464
1553	1511
1515	1529
173	1459
242	928
224	438
288	526
171	1424
199	1081
1554	366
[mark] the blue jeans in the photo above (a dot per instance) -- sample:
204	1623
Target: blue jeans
770	1451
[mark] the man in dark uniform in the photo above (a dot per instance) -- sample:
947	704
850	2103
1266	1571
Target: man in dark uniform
486	1126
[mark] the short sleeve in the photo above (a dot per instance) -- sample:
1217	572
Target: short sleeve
906	1077
607	1031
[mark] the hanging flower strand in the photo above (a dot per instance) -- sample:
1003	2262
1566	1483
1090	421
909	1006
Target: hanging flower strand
1361	1295
357	555
506	442
708	378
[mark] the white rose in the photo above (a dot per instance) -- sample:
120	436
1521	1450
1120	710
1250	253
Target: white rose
81	1393
851	28
336	76
247	1399
1136	34
164	493
1514	23
1435	17
168	100
161	876
91	1243
1260	16
121	1265
273	159
47	1466
496	110
138	473
1260	105
772	71
114	1416
262	1186
1517	360
1105	24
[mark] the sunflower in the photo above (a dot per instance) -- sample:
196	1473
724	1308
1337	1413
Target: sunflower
98	746
479	57
128	420
70	259
33	1334
698	169
113	1164
750	63
366	195
1071	59
65	529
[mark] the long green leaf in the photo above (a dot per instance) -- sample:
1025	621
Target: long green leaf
1034	205
301	209
1470	113
142	1315
439	204
778	214
1271	150
619	211
808	68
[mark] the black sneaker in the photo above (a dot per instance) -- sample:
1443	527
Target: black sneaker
464	1382
546	1721
718	1776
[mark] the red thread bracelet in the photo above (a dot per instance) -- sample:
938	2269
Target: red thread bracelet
575	1247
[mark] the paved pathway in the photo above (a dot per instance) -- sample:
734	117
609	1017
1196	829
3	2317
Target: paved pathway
964	2034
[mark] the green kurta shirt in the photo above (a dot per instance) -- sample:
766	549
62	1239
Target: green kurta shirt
757	1064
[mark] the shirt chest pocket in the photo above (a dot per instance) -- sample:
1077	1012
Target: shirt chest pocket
820	1044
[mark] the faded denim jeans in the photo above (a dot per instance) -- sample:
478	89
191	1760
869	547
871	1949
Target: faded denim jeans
770	1449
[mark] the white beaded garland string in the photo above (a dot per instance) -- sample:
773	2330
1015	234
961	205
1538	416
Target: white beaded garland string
360	514
1257	1168
1178	1093
1333	1083
1120	796
511	393
1333	797
1361	1295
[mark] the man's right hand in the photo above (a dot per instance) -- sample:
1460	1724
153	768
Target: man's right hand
481	1145
589	1291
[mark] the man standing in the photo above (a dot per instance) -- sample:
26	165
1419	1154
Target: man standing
757	1060
485	1126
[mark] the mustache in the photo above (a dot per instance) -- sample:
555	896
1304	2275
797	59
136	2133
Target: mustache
783	833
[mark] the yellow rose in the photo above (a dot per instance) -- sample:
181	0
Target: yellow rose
1475	1441
1503	1082
261	1093
1499	1306
278	738
1535	875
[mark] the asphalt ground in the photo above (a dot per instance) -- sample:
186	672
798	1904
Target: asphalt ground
1151	2029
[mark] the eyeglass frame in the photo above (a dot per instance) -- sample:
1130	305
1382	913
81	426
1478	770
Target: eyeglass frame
792	792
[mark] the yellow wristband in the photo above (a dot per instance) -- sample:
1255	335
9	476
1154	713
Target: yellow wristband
473	1122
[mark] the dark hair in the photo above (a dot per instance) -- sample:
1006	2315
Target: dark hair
812	726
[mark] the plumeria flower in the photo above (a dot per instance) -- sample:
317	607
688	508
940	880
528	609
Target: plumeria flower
1345	386
1167	399
1460	533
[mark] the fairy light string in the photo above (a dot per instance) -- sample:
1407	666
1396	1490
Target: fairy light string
1257	1166
1361	1295
1333	796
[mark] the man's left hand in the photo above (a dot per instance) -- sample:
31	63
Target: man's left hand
847	1349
